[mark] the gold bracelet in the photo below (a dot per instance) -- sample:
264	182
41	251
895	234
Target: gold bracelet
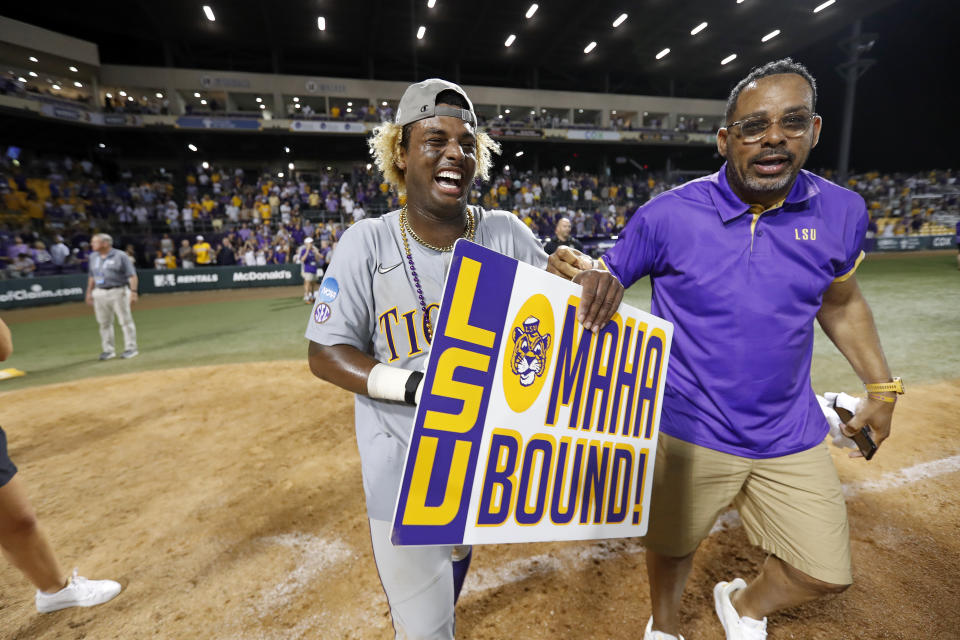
895	386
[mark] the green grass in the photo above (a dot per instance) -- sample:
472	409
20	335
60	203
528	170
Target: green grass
215	333
916	306
915	300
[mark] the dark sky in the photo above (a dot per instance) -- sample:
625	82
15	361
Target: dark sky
907	110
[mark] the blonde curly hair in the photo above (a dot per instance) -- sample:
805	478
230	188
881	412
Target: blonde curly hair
387	139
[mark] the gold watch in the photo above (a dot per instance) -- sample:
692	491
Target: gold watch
895	386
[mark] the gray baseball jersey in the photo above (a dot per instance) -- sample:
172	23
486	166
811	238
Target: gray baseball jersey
368	300
113	270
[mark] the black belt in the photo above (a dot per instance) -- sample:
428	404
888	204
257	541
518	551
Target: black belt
119	286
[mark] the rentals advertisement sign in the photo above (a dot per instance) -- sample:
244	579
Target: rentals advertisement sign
529	427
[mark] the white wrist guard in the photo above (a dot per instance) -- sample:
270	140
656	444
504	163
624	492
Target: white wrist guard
393	383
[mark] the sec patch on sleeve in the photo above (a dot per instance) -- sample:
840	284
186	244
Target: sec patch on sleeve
321	313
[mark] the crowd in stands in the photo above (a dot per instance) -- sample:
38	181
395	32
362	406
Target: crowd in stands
51	208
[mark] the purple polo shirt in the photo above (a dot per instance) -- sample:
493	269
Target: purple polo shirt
742	292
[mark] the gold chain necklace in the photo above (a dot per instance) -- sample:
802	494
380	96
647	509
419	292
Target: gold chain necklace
468	231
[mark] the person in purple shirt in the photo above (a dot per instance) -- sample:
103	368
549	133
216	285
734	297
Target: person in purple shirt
742	262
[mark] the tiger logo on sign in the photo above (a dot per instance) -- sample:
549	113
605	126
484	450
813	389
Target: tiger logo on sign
529	351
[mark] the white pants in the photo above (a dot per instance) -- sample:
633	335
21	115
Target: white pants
418	582
106	304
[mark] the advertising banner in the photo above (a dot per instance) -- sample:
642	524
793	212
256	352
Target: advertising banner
327	126
530	428
213	122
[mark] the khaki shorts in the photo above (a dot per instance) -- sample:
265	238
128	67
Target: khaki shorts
791	507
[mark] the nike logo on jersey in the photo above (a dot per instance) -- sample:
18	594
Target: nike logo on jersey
381	270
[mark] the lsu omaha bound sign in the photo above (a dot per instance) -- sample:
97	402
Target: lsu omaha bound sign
530	428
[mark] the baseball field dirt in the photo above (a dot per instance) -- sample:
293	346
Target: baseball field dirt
227	500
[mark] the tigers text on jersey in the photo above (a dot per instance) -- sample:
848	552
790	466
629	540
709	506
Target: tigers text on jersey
368	300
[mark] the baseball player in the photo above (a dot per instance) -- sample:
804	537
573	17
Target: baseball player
373	321
308	257
24	543
111	289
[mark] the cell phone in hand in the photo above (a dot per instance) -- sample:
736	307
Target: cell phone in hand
862	438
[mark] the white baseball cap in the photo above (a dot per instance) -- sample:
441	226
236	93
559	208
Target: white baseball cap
307	240
199	238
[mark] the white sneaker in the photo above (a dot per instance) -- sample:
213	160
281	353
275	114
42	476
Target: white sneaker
79	592
650	634
736	628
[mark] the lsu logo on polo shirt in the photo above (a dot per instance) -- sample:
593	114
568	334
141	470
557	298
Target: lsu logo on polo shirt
527	355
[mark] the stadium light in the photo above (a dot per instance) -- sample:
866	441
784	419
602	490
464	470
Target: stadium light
203	101
349	109
322	23
21	79
286	149
259	99
823	6
349	104
580	110
614	112
33	59
279	174
290	166
506	167
697	29
102	146
209	13
663	53
73	68
205	165
421	32
262	106
506	110
729	58
296	99
590	47
56	87
32	74
532	10
532	112
159	95
196	94
510	40
770	36
129	98
369	166
431	4
78	85
566	167
109	95
297	105
192	147
384	103
619	21
518	154
123	94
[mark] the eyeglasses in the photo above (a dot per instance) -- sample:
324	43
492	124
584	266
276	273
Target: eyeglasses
793	125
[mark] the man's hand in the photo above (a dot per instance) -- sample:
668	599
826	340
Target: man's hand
89	297
567	263
133	296
602	294
875	414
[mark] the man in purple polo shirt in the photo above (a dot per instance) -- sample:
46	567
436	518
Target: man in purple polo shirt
742	262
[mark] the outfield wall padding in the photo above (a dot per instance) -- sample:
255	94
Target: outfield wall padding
30	292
